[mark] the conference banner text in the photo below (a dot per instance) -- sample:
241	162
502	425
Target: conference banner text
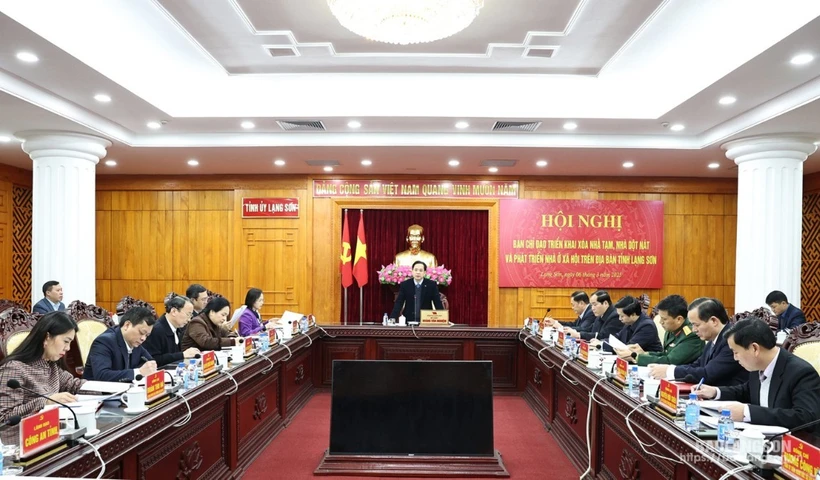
580	243
415	188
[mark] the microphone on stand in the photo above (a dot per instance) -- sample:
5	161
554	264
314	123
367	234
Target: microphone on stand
12	420
72	437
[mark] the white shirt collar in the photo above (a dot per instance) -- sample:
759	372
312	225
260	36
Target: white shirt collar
127	346
769	371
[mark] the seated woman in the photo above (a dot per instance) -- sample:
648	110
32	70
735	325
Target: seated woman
250	323
205	331
38	365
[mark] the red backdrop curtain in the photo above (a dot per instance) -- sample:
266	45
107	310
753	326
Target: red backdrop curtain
458	239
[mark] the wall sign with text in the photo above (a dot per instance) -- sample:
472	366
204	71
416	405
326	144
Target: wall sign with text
581	243
270	207
414	189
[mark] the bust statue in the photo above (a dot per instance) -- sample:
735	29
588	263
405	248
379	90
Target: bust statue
415	237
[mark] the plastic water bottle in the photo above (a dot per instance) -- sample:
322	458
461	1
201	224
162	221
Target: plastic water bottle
726	426
180	372
534	326
384	320
573	347
692	416
263	341
193	372
633	381
186	377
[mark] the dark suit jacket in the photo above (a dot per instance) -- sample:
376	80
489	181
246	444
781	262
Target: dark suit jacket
643	332
407	295
162	345
794	393
108	359
584	321
716	365
604	326
791	318
44	306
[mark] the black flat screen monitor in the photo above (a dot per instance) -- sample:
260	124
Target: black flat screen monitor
412	407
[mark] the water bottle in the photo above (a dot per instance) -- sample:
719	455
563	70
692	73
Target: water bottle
384	320
534	326
186	377
262	337
633	381
566	344
573	347
180	371
692	416
193	372
726	427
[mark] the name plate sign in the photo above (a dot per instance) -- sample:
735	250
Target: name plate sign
208	363
561	336
270	208
434	318
39	431
248	347
669	393
154	385
800	459
584	351
621	368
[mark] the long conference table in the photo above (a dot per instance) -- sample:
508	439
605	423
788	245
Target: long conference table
235	416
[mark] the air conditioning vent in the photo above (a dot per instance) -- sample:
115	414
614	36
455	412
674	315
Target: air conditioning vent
498	163
285	51
516	126
543	52
322	163
301	126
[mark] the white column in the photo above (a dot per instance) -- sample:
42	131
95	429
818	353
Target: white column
769	216
63	211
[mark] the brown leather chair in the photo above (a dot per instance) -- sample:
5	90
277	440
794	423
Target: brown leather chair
804	341
15	324
91	321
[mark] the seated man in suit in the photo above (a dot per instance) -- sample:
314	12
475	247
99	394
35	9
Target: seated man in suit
117	354
199	297
783	389
638	329
788	316
416	294
607	322
165	342
716	365
681	344
579	302
52	300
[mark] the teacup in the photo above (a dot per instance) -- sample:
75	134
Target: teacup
650	387
751	442
781	336
238	353
547	333
595	360
134	397
402	321
607	362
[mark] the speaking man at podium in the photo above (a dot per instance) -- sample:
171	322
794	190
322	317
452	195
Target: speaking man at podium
416	294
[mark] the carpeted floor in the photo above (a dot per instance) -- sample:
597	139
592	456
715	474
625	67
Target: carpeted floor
529	452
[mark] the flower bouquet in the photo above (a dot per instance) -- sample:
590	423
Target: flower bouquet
394	275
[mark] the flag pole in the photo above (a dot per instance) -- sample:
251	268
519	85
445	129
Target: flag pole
345	317
361	301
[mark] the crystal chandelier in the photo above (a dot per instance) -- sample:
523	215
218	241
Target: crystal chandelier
405	22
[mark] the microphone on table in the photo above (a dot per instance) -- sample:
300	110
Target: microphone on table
766	464
12	420
72	437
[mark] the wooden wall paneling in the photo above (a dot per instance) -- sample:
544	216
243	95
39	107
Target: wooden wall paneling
493	319
325	278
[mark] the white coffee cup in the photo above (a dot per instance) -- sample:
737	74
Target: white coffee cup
650	387
287	331
238	353
402	321
134	397
222	357
751	442
547	334
781	336
595	360
607	362
85	417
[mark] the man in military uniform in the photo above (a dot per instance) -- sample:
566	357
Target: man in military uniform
681	344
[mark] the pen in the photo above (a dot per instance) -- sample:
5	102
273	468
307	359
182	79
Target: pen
697	387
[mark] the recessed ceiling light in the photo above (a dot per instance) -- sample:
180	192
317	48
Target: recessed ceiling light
800	59
102	98
493	169
247	125
354	124
328	169
570	126
541	163
279	162
366	162
727	100
192	162
4	139
453	163
27	57
628	164
462	125
677	127
714	165
153	125
111	163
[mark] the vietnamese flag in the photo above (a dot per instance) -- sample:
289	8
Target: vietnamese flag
360	263
346	266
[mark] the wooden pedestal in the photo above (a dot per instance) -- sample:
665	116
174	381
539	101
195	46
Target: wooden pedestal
438	466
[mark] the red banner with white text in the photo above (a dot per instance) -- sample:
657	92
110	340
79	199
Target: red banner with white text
581	243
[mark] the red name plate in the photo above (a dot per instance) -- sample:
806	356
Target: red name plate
208	363
39	431
270	208
621	368
248	346
272	336
584	350
561	339
154	385
800	459
669	396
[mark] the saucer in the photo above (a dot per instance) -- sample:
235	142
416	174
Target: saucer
134	411
92	433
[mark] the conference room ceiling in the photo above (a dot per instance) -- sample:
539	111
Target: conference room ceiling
624	72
